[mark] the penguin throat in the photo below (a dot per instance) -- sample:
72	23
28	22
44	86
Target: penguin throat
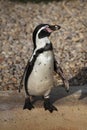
42	42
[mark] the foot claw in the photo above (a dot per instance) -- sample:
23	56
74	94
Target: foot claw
28	105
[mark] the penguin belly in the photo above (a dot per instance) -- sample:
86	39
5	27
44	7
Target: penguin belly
40	80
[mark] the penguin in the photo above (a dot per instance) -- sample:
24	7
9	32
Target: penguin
38	74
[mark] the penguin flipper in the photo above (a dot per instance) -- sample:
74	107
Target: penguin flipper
21	82
59	71
28	105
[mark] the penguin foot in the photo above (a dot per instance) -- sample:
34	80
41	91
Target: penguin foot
28	105
48	106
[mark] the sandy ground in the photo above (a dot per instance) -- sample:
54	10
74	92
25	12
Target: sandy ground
67	118
71	114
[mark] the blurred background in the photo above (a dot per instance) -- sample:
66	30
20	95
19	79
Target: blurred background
18	18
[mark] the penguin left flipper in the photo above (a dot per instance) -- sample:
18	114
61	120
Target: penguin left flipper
28	105
59	71
48	106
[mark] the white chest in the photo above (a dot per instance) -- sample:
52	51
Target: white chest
41	77
44	64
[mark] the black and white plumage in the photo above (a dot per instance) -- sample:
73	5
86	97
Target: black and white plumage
38	75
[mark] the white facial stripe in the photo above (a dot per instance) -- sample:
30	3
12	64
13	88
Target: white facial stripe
42	29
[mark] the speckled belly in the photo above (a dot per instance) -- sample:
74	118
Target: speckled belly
41	78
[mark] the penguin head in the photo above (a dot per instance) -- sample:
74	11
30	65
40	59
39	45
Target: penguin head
43	30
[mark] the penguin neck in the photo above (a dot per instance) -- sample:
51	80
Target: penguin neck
40	43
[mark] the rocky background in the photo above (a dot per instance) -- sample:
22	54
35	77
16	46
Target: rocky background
17	21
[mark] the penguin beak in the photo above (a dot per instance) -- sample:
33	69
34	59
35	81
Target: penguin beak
55	27
52	28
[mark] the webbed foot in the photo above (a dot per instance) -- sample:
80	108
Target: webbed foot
28	105
48	106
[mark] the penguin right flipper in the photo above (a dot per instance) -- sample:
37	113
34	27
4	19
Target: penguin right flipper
28	105
21	82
